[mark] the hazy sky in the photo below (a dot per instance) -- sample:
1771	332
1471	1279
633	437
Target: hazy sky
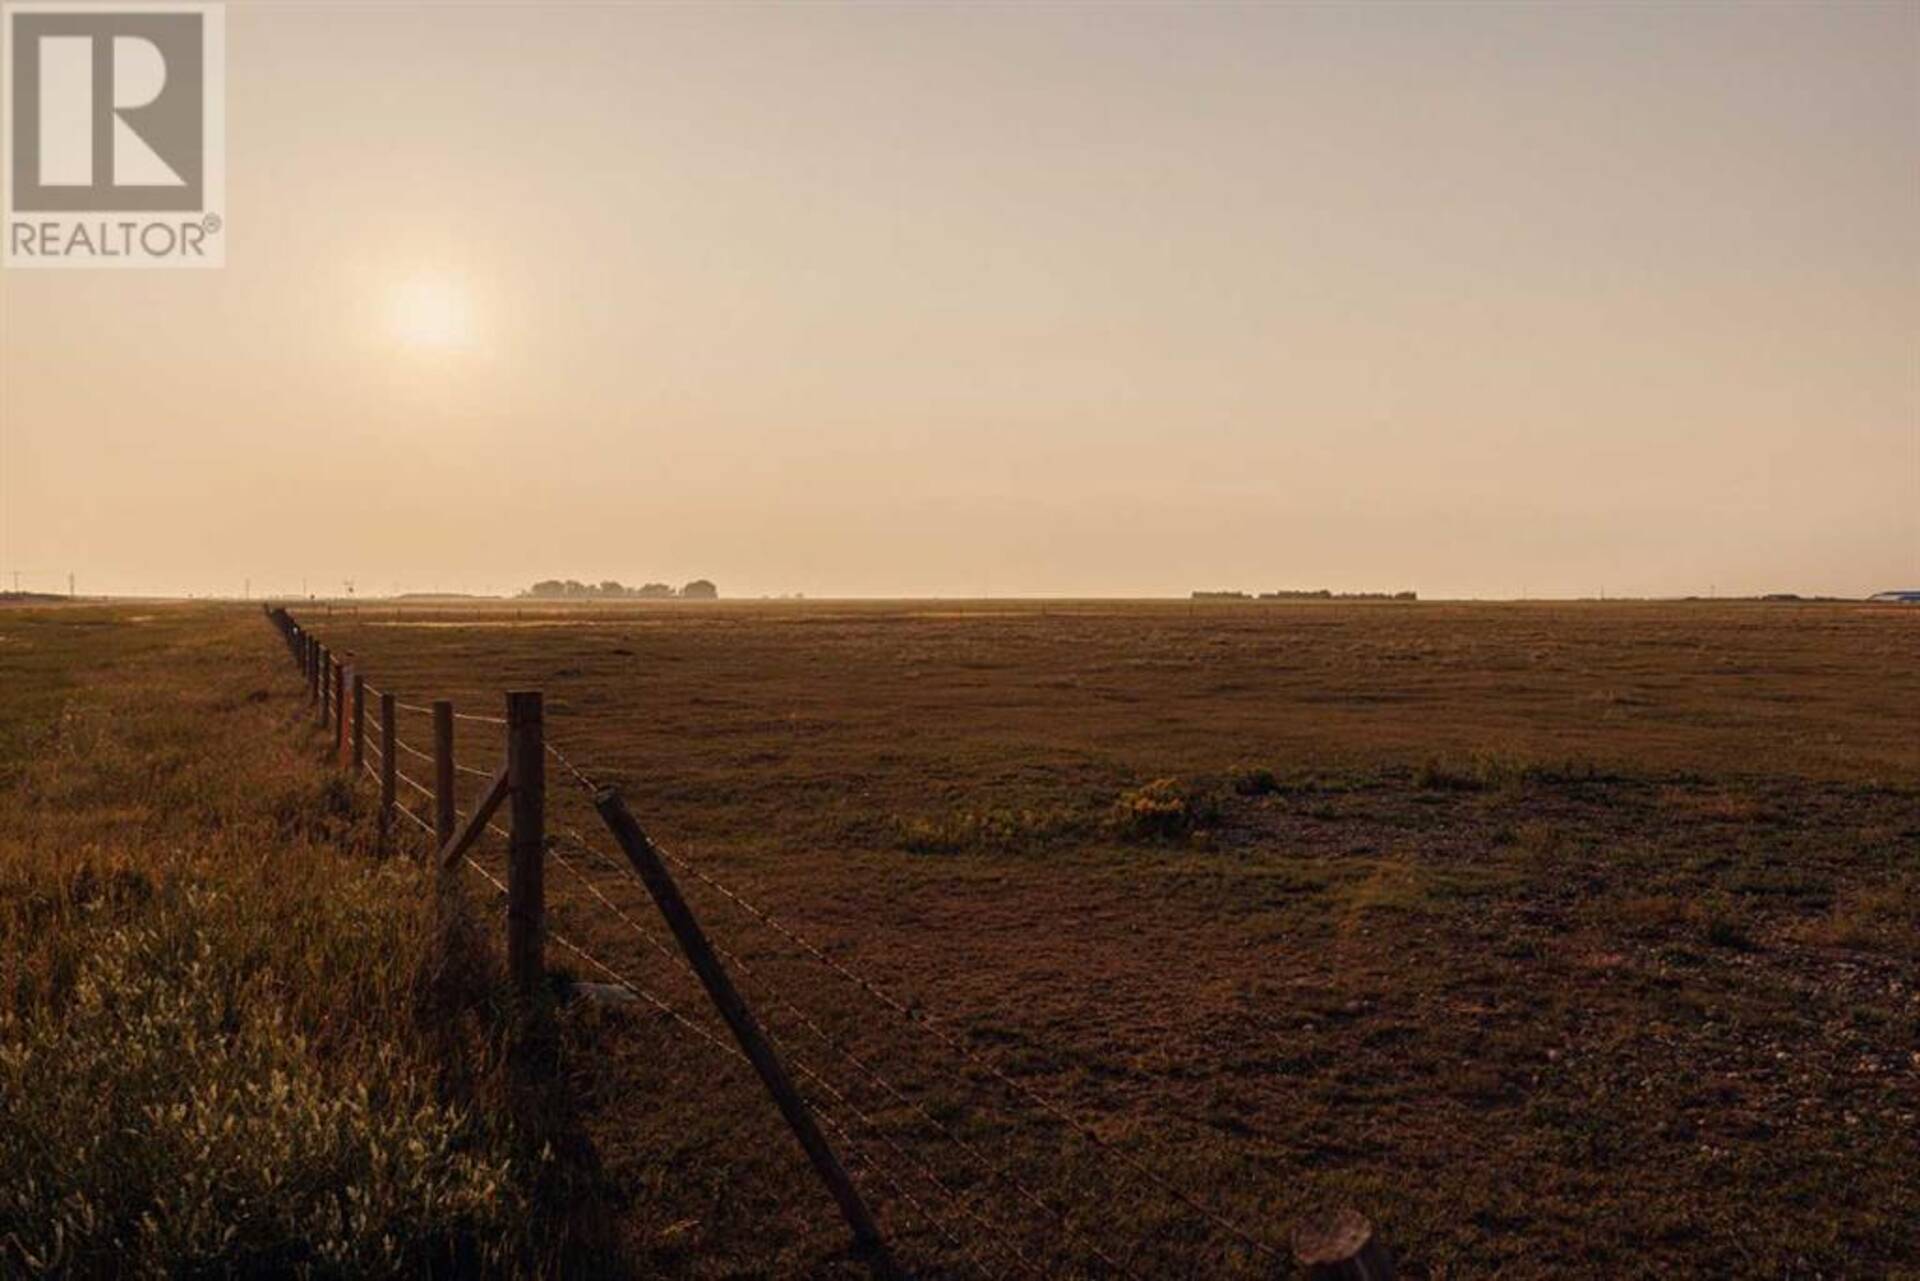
944	299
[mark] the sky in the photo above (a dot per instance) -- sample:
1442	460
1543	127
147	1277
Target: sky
1009	299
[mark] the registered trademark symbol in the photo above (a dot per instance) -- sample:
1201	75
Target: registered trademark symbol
211	222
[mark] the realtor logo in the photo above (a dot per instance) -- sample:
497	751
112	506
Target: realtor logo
115	121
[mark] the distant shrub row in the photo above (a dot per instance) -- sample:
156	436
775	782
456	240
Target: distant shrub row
570	589
1319	594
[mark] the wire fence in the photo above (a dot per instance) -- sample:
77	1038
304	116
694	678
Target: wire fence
986	1218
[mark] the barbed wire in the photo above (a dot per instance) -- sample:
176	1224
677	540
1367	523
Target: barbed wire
658	944
566	763
855	1151
656	1002
411	750
415	784
800	1065
413	818
914	1014
806	1070
812	1074
910	1012
733	1052
999	1172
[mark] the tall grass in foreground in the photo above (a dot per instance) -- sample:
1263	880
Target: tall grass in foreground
229	1039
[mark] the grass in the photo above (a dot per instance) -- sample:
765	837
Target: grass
1568	940
225	1045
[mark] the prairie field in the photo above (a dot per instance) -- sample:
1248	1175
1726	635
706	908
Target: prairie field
1558	939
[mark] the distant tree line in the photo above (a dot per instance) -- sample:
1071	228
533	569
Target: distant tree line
1320	594
571	589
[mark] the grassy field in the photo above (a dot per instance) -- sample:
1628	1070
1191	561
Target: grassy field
233	1041
1572	940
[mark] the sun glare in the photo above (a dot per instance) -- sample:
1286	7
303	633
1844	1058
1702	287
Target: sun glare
431	313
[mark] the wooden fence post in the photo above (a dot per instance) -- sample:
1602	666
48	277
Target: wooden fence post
323	677
387	769
753	1042
339	708
313	681
443	815
359	722
526	865
343	751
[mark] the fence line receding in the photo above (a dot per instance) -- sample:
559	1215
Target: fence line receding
813	1107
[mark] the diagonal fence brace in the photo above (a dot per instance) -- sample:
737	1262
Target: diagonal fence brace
746	1030
476	822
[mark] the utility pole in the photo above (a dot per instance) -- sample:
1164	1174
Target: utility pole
69	584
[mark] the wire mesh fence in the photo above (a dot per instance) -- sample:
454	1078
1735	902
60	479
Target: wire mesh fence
931	1165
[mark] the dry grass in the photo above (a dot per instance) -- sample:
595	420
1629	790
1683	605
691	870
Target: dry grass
1567	940
222	1046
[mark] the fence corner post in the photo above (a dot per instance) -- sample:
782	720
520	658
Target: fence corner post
526	867
1341	1246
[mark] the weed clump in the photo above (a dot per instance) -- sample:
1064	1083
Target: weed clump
1164	810
1253	780
1725	925
1001	829
1479	772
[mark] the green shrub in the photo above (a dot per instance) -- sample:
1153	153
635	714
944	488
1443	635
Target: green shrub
1164	809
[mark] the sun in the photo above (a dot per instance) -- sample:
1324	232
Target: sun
432	313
